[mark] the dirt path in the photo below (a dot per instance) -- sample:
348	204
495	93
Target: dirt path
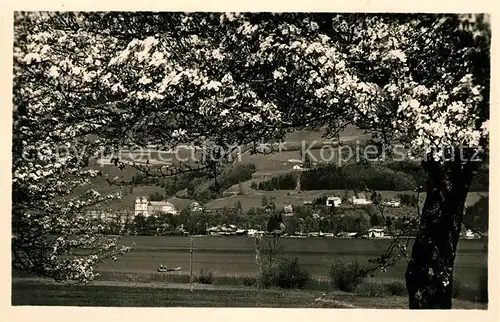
337	303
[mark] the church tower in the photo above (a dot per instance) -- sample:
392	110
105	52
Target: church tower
141	206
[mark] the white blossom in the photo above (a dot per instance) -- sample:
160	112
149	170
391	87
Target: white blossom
144	80
54	72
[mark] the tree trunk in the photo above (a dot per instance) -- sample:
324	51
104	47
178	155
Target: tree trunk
429	276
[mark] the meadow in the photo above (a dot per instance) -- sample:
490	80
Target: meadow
132	295
147	296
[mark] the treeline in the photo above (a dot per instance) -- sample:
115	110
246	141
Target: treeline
195	223
356	177
480	182
305	219
329	223
396	176
156	196
477	215
282	182
201	186
408	200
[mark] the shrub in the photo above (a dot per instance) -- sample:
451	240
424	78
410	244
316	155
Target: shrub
408	199
397	288
281	182
270	277
346	278
292	275
371	289
156	196
456	288
206	277
356	176
318	284
381	288
249	281
288	274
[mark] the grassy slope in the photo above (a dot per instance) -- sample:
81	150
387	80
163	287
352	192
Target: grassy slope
267	166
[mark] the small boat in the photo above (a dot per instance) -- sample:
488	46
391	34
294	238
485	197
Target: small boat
169	269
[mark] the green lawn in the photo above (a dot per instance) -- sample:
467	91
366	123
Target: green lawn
92	295
33	293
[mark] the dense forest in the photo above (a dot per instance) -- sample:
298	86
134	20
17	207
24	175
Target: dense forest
396	176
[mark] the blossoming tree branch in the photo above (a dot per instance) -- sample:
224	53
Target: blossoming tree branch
94	80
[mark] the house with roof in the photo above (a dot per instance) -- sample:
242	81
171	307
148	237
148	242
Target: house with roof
333	201
195	206
147	208
376	232
391	203
109	215
288	208
361	200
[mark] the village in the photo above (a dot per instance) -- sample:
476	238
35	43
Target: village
146	208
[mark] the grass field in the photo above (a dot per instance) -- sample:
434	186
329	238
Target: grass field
119	296
137	295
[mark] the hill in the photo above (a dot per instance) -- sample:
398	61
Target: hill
267	166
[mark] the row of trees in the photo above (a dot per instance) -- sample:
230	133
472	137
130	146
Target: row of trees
356	176
317	218
281	182
408	200
305	219
200	185
413	169
398	176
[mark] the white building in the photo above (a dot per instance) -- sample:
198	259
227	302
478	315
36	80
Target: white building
391	203
288	209
347	234
376	232
195	206
148	208
109	215
333	201
469	234
360	201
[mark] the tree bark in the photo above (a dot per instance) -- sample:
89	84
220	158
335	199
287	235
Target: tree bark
429	275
